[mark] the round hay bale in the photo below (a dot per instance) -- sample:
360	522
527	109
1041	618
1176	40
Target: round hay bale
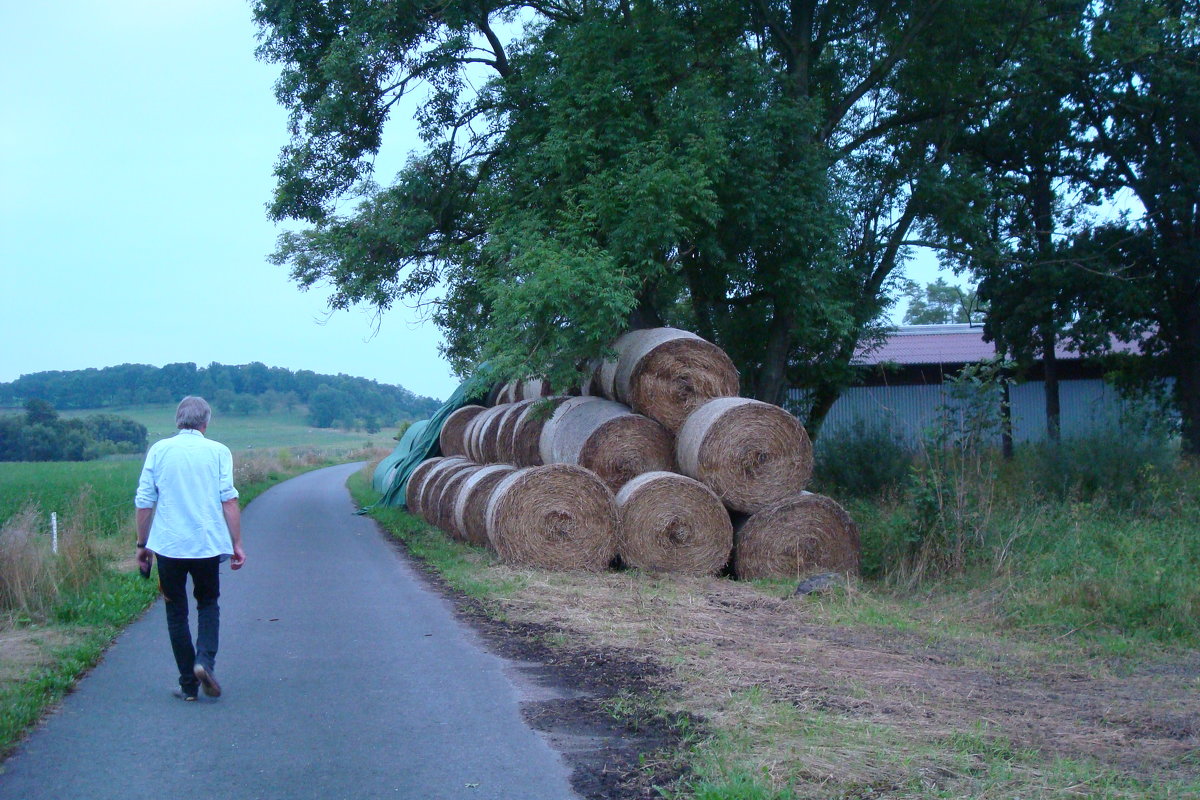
750	453
605	376
504	433
527	431
493	395
556	516
667	373
431	482
488	433
672	523
797	536
533	389
607	438
470	505
473	435
508	393
412	491
447	498
450	439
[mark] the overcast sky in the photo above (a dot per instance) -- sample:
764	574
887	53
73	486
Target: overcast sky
136	149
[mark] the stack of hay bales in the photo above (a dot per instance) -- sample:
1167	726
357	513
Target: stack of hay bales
659	463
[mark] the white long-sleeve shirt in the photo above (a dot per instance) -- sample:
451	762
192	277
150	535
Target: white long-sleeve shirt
185	479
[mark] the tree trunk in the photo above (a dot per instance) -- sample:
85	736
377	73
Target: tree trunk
772	375
823	399
1006	434
1043	230
1050	385
1187	384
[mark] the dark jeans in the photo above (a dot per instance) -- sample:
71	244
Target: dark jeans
206	588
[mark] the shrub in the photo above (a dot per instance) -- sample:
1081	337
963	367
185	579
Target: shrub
1117	465
868	459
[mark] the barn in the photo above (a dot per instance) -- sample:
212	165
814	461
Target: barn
904	386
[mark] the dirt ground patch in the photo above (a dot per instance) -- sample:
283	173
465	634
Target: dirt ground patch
23	650
595	643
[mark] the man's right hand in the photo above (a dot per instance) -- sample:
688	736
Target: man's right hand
238	559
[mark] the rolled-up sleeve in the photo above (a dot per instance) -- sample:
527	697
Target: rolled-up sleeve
147	491
228	492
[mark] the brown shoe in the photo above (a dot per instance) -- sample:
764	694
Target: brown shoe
208	681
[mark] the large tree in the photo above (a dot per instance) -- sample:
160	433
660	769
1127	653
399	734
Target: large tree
1139	97
751	170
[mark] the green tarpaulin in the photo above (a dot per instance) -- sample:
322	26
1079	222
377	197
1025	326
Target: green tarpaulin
420	442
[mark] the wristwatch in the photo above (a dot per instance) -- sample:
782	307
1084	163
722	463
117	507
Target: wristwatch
142	544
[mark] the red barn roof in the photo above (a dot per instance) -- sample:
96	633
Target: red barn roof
937	344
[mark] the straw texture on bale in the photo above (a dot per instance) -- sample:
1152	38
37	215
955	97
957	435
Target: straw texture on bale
448	497
556	516
432	481
470	506
799	535
533	389
672	523
527	433
412	492
607	438
450	440
473	435
488	433
493	394
750	453
604	381
504	433
667	373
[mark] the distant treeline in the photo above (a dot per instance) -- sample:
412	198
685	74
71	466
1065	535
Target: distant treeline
331	400
41	435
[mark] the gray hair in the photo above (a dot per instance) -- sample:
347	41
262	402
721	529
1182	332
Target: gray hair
192	413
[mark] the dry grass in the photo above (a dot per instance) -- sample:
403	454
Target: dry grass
833	696
32	576
262	466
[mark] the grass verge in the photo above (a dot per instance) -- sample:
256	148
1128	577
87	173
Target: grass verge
976	685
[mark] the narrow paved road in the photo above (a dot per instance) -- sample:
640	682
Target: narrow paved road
344	677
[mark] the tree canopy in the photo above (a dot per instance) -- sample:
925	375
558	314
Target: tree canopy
755	171
240	389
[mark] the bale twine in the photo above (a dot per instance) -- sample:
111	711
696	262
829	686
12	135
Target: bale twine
672	523
556	516
799	535
607	438
527	431
667	373
412	491
447	498
432	480
470	506
749	452
450	440
504	433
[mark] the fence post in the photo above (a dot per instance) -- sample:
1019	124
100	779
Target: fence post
54	531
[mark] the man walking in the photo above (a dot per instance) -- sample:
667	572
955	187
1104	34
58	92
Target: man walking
188	515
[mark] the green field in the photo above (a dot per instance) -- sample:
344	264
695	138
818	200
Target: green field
54	486
255	431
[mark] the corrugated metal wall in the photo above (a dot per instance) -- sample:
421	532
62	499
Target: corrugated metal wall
1086	405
